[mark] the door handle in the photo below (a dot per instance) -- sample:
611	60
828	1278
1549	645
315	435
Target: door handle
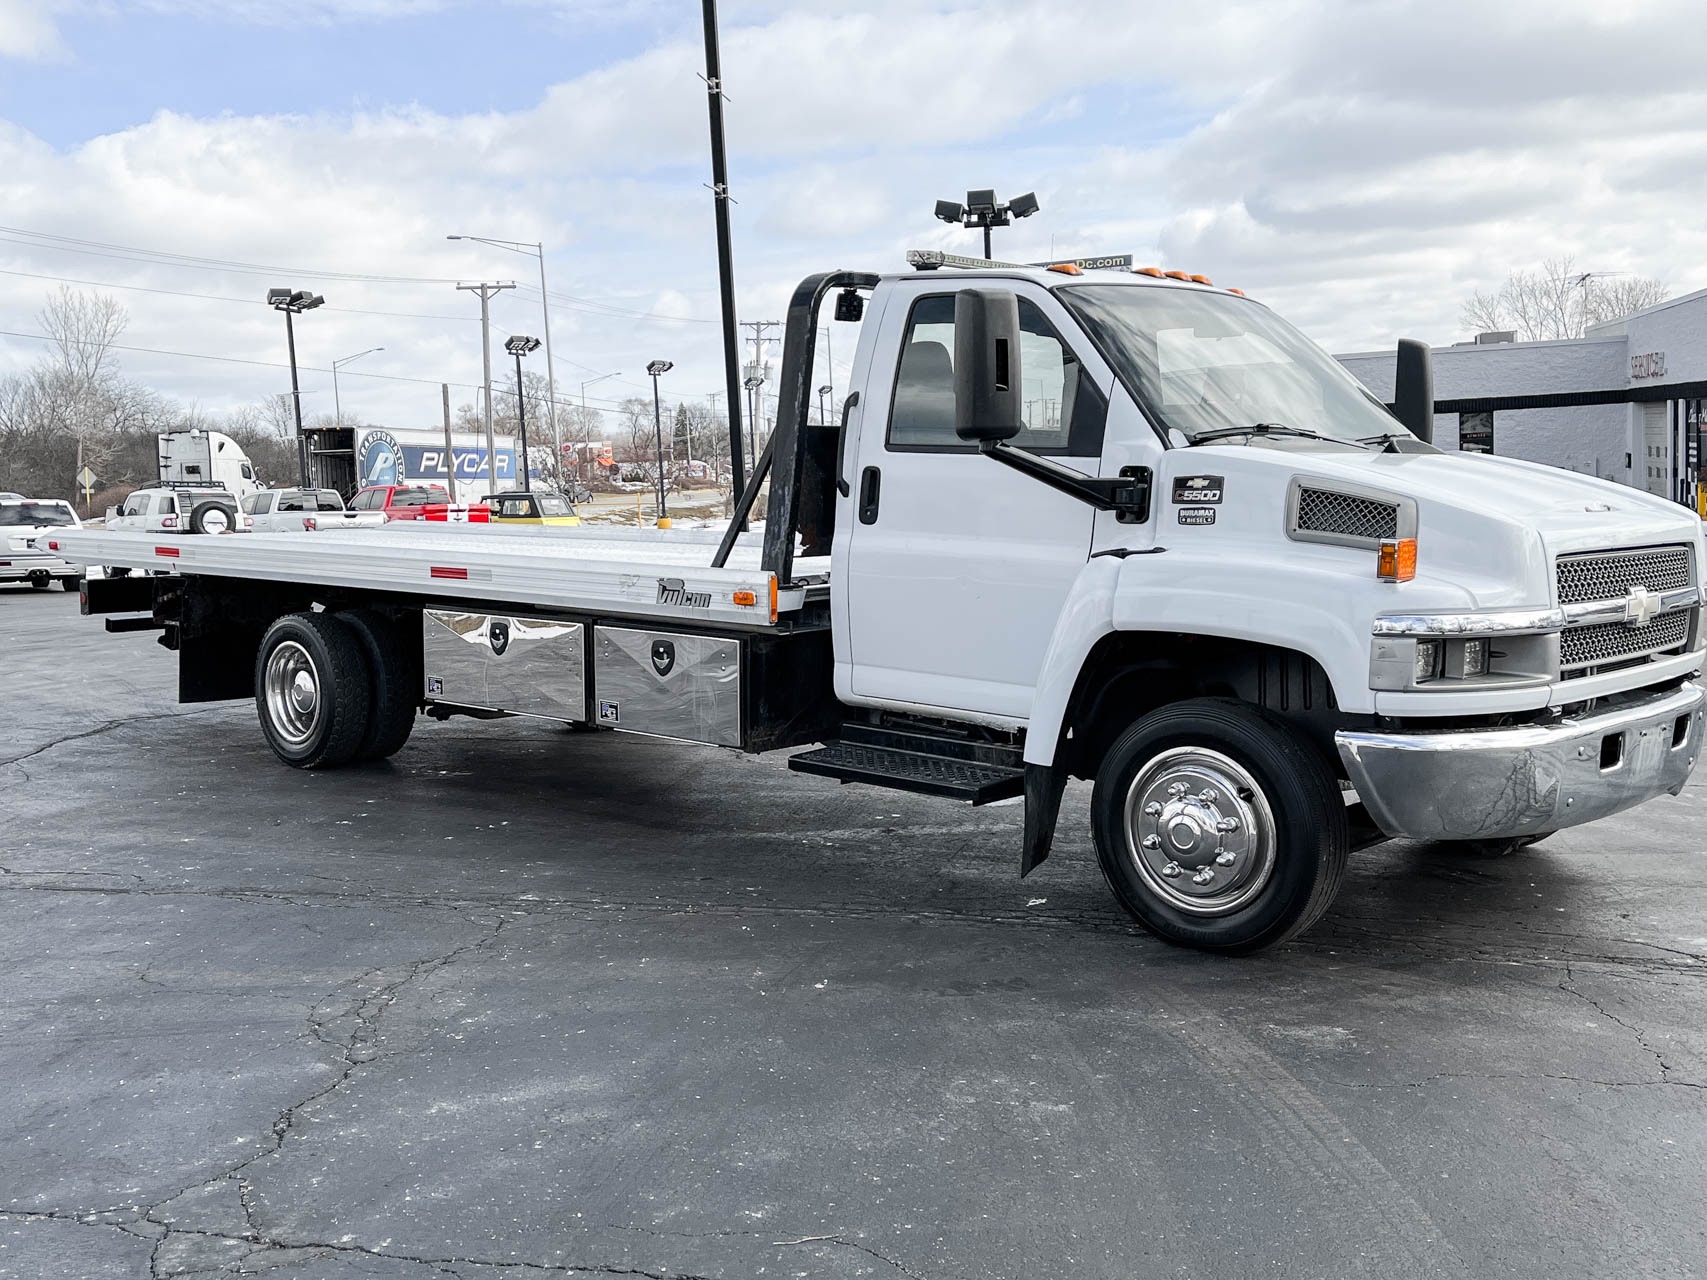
870	482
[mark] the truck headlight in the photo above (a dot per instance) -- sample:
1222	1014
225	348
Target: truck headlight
1426	664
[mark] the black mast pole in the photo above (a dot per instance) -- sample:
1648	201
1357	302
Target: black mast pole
522	418
725	256
296	402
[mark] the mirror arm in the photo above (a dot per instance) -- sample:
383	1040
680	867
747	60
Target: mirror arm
1128	496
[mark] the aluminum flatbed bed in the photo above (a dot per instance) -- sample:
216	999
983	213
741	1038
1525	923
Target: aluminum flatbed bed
652	574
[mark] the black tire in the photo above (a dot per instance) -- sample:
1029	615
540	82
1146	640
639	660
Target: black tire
71	584
41	584
323	728
1285	853
119	572
204	515
394	696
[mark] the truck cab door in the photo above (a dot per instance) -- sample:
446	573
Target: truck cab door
957	567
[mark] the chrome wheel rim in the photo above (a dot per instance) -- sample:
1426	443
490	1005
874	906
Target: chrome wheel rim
1199	831
293	693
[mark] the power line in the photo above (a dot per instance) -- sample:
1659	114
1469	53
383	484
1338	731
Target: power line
131	253
273	364
218	297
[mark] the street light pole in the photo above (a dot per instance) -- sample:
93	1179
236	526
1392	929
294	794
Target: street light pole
486	291
521	345
658	368
823	405
538	248
292	302
337	404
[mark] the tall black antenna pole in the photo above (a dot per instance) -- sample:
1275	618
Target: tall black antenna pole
725	256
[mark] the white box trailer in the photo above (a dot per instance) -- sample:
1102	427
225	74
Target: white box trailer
1097	525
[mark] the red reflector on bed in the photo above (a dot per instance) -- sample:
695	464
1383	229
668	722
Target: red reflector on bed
443	571
171	553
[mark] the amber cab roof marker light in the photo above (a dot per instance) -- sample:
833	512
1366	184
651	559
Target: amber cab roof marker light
1067	268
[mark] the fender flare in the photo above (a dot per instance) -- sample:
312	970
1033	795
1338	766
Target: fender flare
1097	607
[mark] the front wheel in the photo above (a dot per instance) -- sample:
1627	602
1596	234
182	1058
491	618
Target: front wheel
1218	827
312	690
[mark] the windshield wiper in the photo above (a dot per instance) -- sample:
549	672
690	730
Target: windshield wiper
1267	429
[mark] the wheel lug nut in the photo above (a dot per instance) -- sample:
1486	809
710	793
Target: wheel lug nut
1152	809
1152	842
1225	859
1177	789
1227	824
1204	875
1171	870
1207	796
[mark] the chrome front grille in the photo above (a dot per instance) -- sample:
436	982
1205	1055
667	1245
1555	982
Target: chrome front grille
1609	575
1347	514
1581	649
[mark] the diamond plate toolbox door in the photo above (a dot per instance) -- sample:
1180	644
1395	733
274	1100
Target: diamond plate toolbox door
525	666
668	684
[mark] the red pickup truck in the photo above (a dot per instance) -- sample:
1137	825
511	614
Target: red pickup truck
418	502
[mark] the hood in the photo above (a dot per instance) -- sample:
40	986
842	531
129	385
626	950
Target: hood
1572	512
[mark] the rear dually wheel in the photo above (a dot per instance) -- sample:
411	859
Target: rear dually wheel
312	690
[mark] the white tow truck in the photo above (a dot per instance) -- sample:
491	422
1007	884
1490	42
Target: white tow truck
1112	526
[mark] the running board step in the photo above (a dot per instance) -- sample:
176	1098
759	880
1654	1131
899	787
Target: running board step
929	774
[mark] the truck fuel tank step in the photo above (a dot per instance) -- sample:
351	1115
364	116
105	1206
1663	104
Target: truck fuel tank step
919	763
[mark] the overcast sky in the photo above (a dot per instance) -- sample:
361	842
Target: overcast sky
1362	167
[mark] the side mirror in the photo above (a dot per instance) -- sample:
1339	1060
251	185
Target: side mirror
986	365
1413	389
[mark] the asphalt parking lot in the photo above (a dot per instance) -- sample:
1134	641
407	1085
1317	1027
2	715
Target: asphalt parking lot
522	1003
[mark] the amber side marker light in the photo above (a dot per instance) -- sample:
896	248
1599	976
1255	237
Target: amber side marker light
1397	561
746	597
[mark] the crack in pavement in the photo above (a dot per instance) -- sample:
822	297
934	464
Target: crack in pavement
107	727
1512	1075
1569	987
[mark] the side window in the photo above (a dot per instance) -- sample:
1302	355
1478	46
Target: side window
247	471
364	501
1063	411
247	504
295	502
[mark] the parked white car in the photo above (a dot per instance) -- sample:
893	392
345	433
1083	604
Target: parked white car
21	521
178	511
297	510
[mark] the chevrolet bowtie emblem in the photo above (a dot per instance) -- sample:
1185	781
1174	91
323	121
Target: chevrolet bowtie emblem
1640	606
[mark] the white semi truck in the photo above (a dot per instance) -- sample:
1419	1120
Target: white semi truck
1111	526
193	458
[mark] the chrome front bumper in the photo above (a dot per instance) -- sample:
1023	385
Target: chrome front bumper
1490	783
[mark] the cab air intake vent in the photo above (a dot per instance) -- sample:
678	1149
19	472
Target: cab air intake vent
1345	515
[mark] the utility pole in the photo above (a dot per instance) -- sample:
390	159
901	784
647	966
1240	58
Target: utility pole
725	254
757	370
487	292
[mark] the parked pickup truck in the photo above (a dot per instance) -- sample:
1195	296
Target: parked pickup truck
1102	525
418	502
297	510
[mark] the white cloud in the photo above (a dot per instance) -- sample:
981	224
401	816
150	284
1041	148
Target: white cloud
28	28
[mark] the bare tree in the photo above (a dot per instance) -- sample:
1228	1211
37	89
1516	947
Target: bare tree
637	444
84	327
1613	298
1558	301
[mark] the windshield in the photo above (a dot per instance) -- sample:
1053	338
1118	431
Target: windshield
37	514
1201	362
